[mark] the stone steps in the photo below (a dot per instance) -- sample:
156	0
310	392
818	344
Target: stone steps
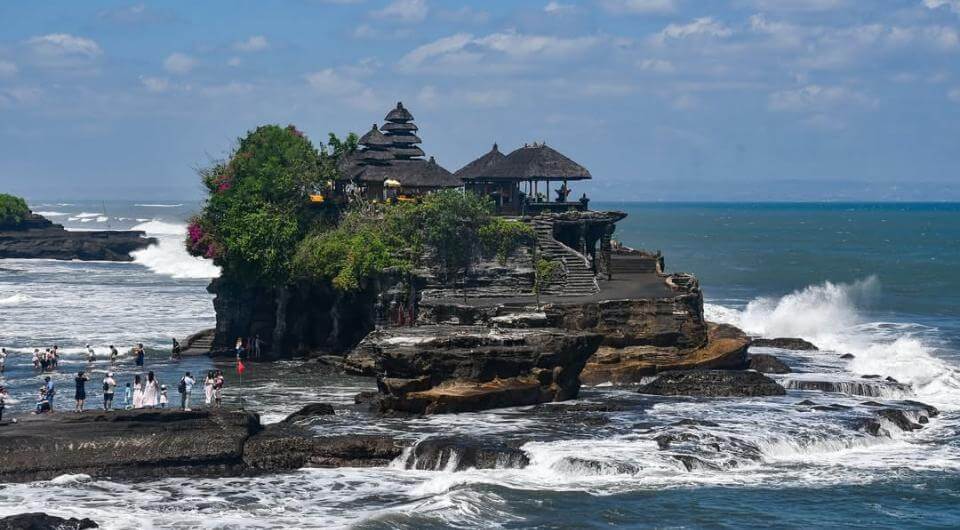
578	279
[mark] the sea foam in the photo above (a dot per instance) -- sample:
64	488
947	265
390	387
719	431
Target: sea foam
168	256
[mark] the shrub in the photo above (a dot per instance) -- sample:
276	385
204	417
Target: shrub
13	210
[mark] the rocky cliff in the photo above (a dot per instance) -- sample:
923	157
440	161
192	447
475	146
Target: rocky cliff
38	238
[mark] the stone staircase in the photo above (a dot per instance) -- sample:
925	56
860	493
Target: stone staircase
576	278
627	264
198	343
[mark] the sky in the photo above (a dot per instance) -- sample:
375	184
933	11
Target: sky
662	100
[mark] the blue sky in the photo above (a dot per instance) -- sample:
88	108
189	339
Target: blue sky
660	99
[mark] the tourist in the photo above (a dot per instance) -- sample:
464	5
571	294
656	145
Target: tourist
81	394
176	350
127	393
3	401
208	387
50	392
36	358
163	396
3	359
257	347
43	404
109	387
151	391
185	388
218	388
139	354
113	354
91	355
137	392
55	355
239	348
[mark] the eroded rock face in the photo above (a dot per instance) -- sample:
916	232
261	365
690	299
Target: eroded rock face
141	443
437	369
459	453
726	348
38	238
713	383
785	343
768	364
42	521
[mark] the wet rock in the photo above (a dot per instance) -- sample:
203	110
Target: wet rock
692	422
140	443
930	410
459	453
664	441
443	369
899	418
848	356
691	463
872	404
39	238
806	403
284	447
583	466
713	383
890	380
869	388
873	427
768	364
871	376
42	521
310	411
355	450
784	343
367	397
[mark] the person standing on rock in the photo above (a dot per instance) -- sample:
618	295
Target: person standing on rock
218	388
185	388
139	354
151	391
51	391
137	392
208	387
176	350
109	387
36	358
81	394
113	354
163	396
91	355
3	360
127	396
3	401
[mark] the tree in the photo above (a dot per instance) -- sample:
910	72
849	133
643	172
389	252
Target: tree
13	210
257	211
544	272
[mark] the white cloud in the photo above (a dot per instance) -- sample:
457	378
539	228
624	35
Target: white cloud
953	5
556	8
704	26
64	45
685	102
234	61
818	98
255	43
428	95
8	69
404	11
10	97
331	82
799	5
488	98
497	50
657	65
155	84
639	7
179	63
954	95
232	88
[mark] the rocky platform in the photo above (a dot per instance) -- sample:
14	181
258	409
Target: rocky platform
440	369
713	383
171	443
38	238
726	347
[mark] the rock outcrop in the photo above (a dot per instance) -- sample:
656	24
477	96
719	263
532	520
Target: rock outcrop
768	364
42	521
713	383
38	238
439	369
785	344
725	348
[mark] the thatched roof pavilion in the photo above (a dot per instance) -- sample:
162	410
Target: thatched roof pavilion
478	166
535	162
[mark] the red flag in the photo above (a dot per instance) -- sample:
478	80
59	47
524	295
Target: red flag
240	367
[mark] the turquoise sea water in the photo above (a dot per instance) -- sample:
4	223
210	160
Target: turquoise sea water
879	281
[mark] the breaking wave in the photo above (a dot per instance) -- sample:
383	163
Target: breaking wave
831	316
168	257
14	299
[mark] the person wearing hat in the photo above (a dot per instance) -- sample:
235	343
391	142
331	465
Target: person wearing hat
81	394
109	387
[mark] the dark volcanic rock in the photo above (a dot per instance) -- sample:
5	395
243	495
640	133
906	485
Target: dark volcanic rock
785	344
135	443
713	383
287	447
867	388
38	238
42	521
582	466
438	369
459	453
310	411
848	356
768	364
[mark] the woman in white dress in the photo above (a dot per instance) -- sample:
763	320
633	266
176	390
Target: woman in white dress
151	392
208	387
137	392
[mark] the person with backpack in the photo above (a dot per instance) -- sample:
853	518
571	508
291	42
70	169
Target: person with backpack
185	387
51	391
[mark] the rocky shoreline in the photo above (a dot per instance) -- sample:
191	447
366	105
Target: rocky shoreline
39	238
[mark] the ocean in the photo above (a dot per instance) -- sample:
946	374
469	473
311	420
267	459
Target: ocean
878	281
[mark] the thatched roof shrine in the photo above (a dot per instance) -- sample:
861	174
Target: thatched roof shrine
478	166
534	162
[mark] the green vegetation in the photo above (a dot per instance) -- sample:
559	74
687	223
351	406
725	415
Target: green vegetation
13	210
545	271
